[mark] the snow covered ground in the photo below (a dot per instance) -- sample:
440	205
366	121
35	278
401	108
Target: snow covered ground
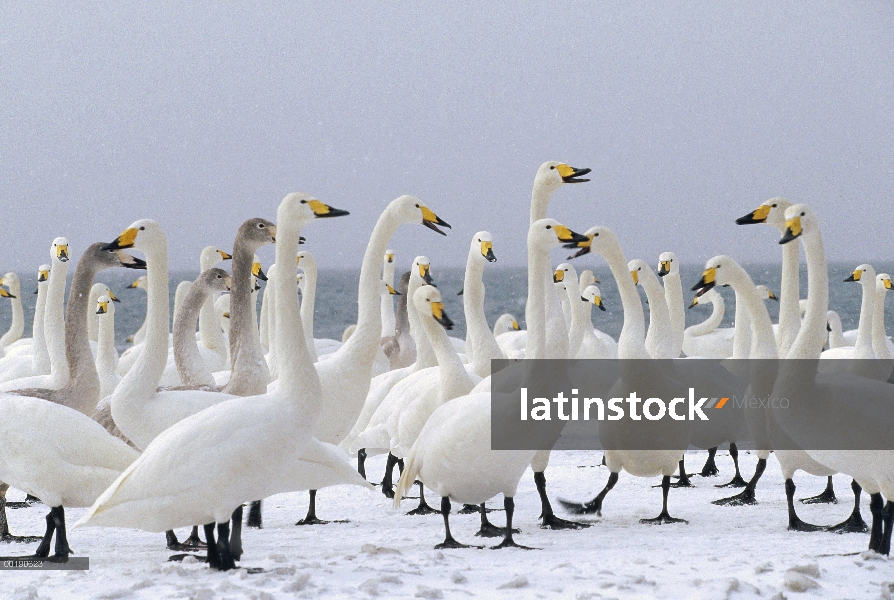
723	552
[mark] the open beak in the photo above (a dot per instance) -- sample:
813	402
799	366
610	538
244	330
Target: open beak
431	220
758	215
582	245
130	262
704	284
566	236
572	175
301	239
324	210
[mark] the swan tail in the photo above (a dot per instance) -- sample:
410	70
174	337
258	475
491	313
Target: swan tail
412	466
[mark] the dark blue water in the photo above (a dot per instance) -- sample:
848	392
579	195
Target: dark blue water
336	304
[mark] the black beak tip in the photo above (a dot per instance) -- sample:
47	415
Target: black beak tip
460	293
301	239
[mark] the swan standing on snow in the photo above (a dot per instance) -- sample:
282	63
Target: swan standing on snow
203	468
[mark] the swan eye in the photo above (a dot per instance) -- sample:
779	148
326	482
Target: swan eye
596	234
552	167
417	206
772	206
549	226
803	214
261	226
304	202
142	229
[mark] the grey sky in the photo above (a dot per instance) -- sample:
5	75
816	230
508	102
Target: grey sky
202	115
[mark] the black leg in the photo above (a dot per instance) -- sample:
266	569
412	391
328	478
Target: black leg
602	464
664	517
423	508
43	550
213	557
388	479
594	505
888	518
876	507
488	529
254	515
223	547
236	534
736	481
508	542
62	549
827	497
400	465
794	522
311	518
710	468
5	536
854	523
746	496
192	543
684	478
549	519
468	509
449	542
361	462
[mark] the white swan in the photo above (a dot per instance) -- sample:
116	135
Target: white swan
593	346
11	288
706	339
863	348
106	354
659	342
98	289
482	344
504	324
195	471
389	323
179	294
400	348
29	356
669	271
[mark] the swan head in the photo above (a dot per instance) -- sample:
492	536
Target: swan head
547	234
798	219
422	270
256	232
11	286
595	238
720	270
587	278
592	294
389	256
104	306
483	246
771	212
505	323
638	268
667	264
100	258
215	280
59	251
387	290
554	174
211	255
410	209
303	208
139	284
428	302
883	282
143	235
864	274
766	293
305	260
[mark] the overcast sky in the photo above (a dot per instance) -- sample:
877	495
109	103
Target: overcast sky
202	115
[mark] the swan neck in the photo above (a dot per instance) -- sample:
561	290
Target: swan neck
812	333
54	320
631	342
40	357
789	297
879	336
718	309
535	307
17	324
83	379
190	365
867	315
452	371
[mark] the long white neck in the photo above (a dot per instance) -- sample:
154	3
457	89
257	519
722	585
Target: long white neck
386	302
879	337
142	379
270	301
673	296
535	308
297	376
92	321
425	355
106	355
718	308
631	342
210	331
17	326
365	342
308	299
581	319
867	314
40	355
810	338
54	322
455	380
484	345
836	340
249	374
789	298
742	329
658	342
562	292
540	197
264	325
763	342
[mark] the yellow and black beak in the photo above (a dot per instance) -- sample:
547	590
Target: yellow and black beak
130	262
566	236
437	311
597	300
226	315
258	272
772	296
889	285
103	308
571	175
123	241
515	325
793	230
559	276
693	303
855	276
424	273
228	281
635	275
301	239
62	253
42	275
708	280
664	267
431	220
113	297
133	285
324	210
393	291
4	293
487	250
583	246
224	255
758	215
389	257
